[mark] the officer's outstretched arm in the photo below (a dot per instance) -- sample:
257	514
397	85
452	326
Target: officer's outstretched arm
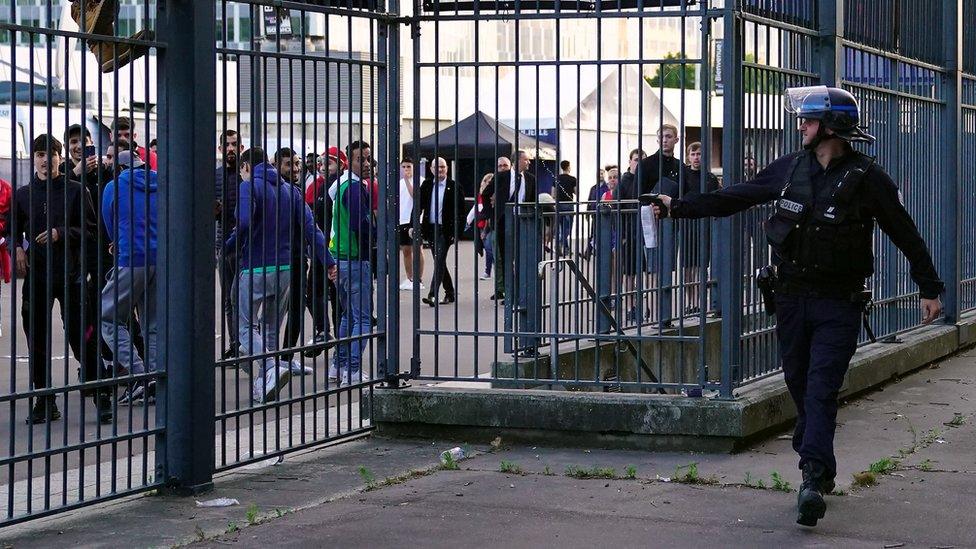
897	223
731	199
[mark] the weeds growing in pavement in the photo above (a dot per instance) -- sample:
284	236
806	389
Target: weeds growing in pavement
779	483
631	472
547	471
510	467
925	465
883	466
688	474
592	472
449	463
956	421
232	527
863	479
252	514
367	477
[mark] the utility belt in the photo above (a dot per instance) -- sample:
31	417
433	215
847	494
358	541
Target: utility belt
769	283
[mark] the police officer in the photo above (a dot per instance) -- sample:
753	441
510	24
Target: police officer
829	197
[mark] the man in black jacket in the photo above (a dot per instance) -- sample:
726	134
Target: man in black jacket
50	218
441	220
507	188
828	197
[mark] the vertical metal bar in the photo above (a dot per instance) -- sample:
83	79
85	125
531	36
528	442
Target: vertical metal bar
828	50
186	297
730	265
950	145
390	88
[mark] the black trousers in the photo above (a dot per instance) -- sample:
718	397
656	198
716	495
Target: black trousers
228	298
817	338
80	326
442	275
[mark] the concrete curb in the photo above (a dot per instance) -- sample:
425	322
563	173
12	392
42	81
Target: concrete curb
644	421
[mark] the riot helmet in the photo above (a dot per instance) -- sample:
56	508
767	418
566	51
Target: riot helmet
835	108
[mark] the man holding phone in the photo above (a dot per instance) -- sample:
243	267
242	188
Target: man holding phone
83	165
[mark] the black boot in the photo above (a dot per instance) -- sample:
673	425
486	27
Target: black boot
45	409
810	505
103	405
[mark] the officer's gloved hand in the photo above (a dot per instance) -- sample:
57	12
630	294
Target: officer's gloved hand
661	205
931	309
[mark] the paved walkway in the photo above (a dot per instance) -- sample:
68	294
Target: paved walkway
922	425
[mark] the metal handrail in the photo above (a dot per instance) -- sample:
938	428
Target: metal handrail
553	347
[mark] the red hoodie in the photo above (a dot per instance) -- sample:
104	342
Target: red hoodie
6	196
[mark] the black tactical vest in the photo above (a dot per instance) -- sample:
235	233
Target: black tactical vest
822	232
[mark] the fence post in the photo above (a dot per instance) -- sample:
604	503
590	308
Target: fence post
387	276
951	268
730	233
828	50
186	253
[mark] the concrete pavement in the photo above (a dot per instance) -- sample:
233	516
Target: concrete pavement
923	423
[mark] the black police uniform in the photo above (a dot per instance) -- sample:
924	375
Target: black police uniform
821	236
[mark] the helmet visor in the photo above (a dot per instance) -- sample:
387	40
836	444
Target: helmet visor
809	101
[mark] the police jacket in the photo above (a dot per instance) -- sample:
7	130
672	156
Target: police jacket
821	231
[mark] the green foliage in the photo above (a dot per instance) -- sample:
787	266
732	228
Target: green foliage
510	467
592	472
926	465
779	483
252	514
883	466
690	474
631	472
232	527
671	74
448	463
547	471
367	476
956	421
755	80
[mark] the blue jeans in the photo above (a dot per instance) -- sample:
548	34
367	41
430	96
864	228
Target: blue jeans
262	300
355	285
488	242
565	226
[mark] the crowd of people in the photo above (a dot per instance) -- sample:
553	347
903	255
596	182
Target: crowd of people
442	223
83	233
293	234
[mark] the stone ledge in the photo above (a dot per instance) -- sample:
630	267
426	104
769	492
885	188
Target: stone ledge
661	422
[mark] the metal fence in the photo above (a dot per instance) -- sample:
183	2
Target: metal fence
466	260
294	98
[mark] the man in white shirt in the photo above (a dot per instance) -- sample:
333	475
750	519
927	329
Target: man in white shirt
403	230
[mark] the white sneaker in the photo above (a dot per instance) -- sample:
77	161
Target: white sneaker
297	369
266	389
358	377
423	286
484	276
407	285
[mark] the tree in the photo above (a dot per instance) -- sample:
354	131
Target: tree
671	74
756	80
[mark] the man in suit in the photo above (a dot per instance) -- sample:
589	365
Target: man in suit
441	220
507	187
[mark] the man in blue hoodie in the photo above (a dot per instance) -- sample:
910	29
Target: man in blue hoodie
129	216
267	208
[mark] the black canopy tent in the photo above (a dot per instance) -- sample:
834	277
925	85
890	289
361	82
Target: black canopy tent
478	136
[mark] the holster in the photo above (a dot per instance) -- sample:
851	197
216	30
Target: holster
766	281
